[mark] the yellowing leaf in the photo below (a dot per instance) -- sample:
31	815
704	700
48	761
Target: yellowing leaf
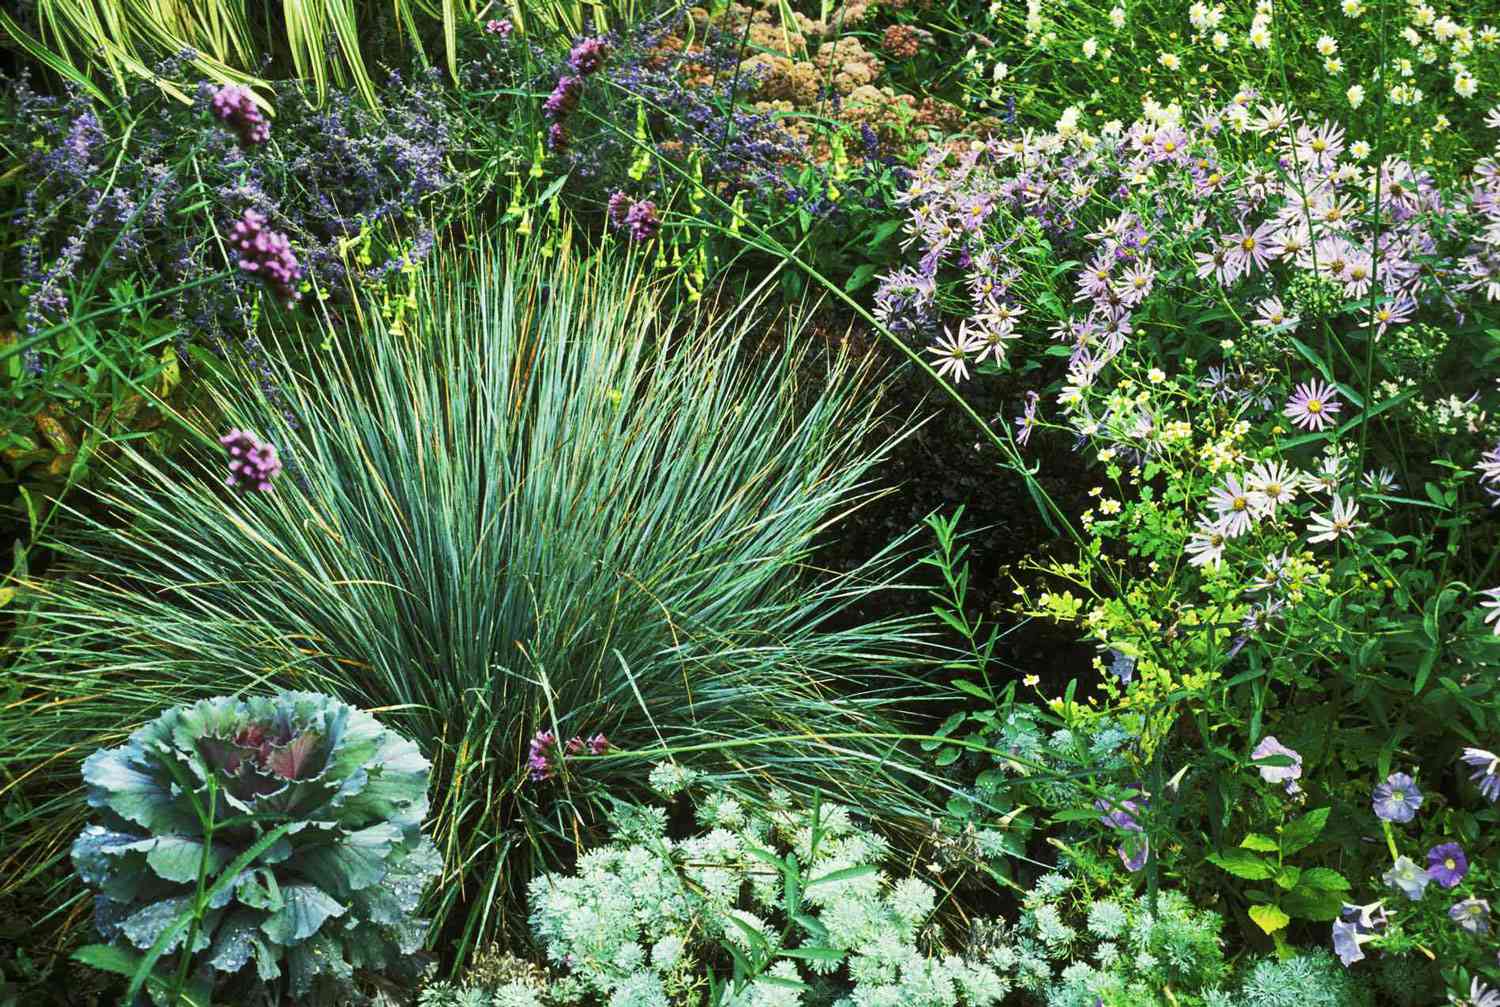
1269	918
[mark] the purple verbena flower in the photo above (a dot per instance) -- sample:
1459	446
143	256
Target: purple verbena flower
236	106
640	220
598	744
1397	799
253	464
499	26
267	254
539	761
1447	865
564	97
588	56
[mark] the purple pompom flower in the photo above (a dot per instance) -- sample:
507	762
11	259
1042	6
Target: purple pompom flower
619	205
1397	799
1472	915
1285	775
598	745
499	26
1486	774
1447	865
267	254
253	464
236	106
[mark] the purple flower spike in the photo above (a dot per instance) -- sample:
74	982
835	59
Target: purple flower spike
641	222
1447	865
1397	799
564	97
253	464
267	254
619	205
598	744
541	765
588	56
1472	915
236	106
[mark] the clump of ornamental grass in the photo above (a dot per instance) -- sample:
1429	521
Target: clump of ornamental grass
542	507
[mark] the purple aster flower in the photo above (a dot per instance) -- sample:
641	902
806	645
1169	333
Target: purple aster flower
267	254
1026	422
1313	405
236	106
1487	769
1472	915
1489	473
1408	876
1397	799
1492	603
1447	865
253	464
1285	775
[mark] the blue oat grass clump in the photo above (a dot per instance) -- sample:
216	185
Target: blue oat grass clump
336	893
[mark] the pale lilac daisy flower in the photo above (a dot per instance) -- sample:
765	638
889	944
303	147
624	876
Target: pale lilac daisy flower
1339	523
1233	503
1313	405
1486	773
953	353
1492	602
1206	547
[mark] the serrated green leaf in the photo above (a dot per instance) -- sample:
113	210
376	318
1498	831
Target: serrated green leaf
1286	878
1302	832
1309	904
1259	843
304	909
1243	864
1323	879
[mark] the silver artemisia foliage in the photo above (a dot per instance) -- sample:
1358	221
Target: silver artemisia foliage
338	892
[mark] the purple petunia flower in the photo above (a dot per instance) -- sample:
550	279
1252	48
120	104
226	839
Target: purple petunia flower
1407	876
1134	851
236	106
1472	915
1120	814
1447	865
1346	942
1486	774
1285	775
253	464
1397	799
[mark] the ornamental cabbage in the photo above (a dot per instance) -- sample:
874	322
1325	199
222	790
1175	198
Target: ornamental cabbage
337	893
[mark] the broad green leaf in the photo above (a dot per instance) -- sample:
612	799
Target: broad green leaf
107	958
1243	864
1310	904
1302	832
1261	844
1323	879
305	907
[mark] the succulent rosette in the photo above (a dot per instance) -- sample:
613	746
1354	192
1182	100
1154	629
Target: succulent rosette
338	892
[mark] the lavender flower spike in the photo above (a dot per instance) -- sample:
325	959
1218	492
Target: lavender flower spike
267	254
236	106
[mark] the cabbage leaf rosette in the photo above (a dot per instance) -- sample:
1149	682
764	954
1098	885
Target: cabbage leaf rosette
337	893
